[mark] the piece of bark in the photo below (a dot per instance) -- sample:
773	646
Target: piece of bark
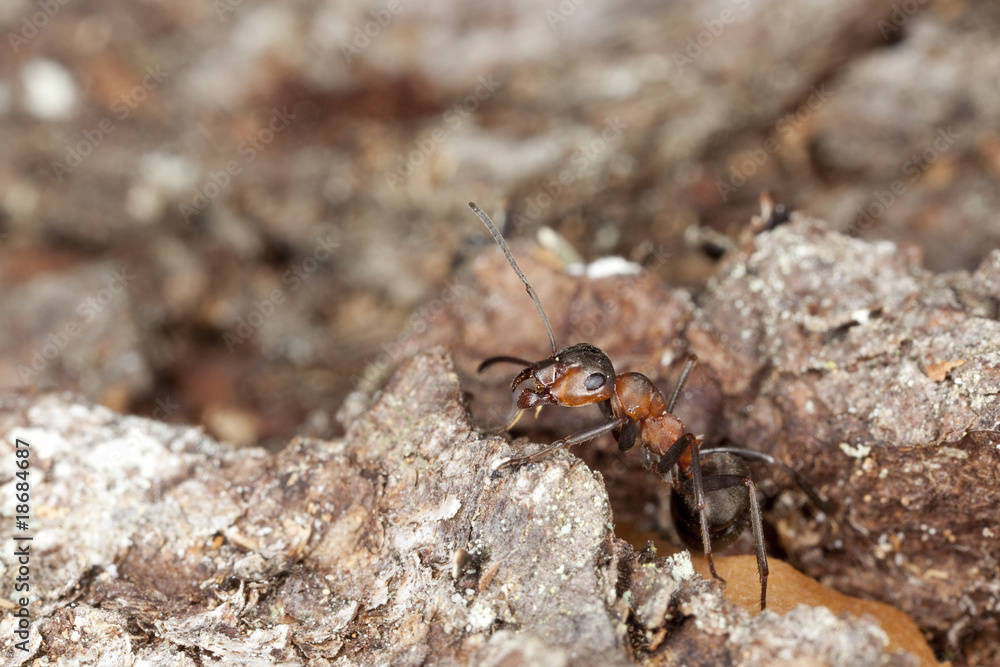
821	344
837	355
398	544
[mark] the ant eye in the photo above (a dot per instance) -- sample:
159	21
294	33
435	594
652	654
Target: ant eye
594	381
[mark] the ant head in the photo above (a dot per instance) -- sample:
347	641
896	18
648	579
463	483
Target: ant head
578	375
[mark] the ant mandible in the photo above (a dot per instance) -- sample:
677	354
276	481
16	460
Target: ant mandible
582	374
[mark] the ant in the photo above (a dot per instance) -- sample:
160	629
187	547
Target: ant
582	374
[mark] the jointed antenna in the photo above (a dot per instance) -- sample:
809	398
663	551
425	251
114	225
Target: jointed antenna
688	367
498	237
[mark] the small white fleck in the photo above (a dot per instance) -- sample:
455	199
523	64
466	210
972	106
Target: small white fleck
861	315
481	616
859	452
683	569
49	89
605	267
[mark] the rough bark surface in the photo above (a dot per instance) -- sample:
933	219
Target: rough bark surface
873	377
398	544
401	543
879	381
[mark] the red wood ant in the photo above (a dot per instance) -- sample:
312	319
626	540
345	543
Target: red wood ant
710	504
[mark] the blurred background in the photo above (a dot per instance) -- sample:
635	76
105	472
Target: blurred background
227	212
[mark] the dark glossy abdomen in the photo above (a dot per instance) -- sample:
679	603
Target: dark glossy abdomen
727	509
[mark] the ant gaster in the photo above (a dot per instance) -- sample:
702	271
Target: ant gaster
582	374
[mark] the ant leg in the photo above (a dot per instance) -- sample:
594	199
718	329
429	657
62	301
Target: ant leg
718	482
582	436
674	453
813	495
699	501
627	434
757	527
667	462
799	480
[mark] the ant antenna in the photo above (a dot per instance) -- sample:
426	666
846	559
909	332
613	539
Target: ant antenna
682	380
498	237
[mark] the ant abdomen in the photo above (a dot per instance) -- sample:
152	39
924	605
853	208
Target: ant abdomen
727	508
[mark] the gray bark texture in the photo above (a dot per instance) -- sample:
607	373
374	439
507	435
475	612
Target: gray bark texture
396	545
400	543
